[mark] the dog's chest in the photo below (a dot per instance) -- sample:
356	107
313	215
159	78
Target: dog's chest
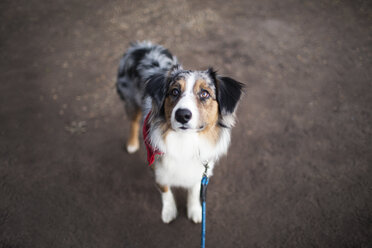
182	163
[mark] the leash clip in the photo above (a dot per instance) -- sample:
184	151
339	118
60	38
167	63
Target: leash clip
204	182
205	164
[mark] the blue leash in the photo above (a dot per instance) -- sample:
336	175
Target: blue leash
203	197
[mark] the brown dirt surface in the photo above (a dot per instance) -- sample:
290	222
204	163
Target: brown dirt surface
299	170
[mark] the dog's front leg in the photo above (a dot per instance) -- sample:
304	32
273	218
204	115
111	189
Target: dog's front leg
169	210
194	210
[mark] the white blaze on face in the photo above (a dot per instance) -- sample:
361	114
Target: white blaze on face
187	101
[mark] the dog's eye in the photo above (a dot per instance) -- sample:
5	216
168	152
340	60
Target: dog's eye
175	92
204	94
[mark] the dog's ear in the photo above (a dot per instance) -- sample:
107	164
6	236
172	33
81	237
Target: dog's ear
156	88
229	92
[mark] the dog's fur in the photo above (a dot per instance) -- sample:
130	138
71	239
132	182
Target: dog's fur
191	114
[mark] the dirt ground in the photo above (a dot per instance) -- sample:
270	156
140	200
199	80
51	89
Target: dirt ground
299	170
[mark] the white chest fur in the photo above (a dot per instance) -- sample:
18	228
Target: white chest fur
182	162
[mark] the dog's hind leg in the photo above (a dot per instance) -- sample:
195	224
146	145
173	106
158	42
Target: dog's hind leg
135	122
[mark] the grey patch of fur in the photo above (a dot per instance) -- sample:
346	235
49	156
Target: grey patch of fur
134	70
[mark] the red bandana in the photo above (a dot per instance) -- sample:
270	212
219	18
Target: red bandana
151	151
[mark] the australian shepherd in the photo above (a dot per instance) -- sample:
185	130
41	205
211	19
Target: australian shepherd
188	116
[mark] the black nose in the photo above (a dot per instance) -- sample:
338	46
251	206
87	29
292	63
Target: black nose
183	115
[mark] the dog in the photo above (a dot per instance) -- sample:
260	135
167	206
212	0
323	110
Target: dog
188	116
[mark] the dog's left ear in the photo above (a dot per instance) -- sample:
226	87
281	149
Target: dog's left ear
229	92
156	88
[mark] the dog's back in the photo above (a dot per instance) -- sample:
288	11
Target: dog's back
141	61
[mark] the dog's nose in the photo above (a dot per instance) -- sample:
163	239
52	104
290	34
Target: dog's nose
183	115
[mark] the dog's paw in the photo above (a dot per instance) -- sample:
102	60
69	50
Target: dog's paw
132	148
194	213
169	212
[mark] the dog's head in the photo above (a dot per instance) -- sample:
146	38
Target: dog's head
194	100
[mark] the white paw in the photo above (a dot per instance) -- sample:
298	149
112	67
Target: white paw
132	148
194	212
168	213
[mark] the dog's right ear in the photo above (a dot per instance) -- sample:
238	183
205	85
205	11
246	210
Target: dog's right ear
156	88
